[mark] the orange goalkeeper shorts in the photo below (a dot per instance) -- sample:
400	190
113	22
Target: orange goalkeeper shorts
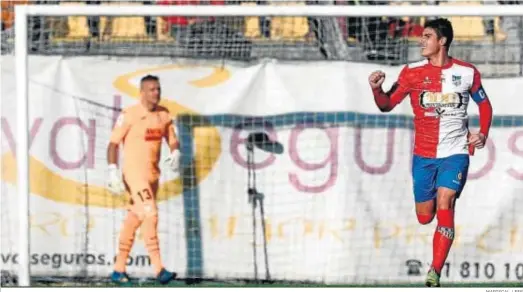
142	194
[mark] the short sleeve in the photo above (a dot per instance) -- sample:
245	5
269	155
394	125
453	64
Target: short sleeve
120	129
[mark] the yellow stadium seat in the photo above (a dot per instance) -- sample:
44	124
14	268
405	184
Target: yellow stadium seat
161	32
473	28
252	27
466	28
289	27
125	28
77	26
499	34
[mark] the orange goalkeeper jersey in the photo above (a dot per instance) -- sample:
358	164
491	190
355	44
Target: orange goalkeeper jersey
141	132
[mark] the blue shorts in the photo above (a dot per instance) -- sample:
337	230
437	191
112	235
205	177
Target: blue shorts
428	174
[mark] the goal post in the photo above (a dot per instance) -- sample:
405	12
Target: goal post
238	10
22	156
190	201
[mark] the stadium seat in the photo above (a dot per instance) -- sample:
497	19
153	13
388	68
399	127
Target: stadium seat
289	28
116	28
252	27
466	28
499	34
77	26
162	33
123	28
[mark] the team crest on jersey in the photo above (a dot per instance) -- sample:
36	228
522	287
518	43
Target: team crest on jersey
456	80
152	134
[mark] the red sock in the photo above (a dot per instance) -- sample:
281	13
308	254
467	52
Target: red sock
443	237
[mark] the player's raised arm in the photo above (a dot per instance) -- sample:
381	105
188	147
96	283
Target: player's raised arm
480	97
386	101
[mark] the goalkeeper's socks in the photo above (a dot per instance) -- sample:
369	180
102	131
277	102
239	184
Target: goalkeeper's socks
443	237
150	232
127	234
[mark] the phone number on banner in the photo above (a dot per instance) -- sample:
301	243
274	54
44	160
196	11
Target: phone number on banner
483	270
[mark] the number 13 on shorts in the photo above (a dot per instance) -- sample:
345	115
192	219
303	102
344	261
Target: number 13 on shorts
143	197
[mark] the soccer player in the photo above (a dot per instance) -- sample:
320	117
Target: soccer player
440	89
141	128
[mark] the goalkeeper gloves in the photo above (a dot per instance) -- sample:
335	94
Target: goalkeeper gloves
173	161
114	183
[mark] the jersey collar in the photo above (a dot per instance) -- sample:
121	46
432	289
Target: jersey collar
143	111
446	66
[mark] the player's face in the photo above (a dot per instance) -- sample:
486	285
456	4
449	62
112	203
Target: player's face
430	44
151	91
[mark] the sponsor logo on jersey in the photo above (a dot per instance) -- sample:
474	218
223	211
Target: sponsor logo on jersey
440	100
152	134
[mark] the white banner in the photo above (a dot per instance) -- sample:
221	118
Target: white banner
338	201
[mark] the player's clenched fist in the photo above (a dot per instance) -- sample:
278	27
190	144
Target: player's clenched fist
114	182
376	79
477	140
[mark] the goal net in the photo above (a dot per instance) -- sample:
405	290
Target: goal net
289	172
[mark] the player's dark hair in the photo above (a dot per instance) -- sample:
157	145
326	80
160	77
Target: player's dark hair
443	28
149	78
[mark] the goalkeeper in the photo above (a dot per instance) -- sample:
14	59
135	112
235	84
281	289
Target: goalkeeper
141	128
440	89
